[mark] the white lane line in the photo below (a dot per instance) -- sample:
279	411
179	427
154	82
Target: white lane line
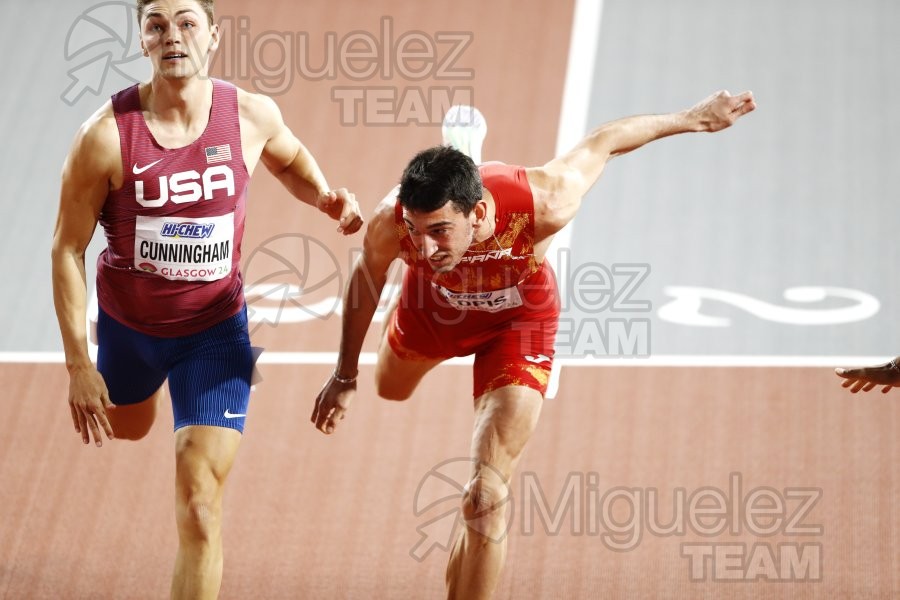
576	101
573	116
368	359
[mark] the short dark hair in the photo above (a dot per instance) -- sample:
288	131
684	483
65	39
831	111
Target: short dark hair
439	175
206	5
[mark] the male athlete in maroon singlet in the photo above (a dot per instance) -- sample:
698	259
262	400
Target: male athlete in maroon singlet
477	283
164	167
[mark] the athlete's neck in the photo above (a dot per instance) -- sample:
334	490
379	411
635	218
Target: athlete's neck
178	101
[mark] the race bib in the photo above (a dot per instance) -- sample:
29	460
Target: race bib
487	301
184	249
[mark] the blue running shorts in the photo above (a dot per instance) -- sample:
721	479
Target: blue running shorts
208	372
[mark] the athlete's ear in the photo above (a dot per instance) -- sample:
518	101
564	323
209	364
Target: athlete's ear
144	48
214	38
480	211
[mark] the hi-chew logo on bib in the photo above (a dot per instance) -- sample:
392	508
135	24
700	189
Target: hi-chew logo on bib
189	229
182	249
487	301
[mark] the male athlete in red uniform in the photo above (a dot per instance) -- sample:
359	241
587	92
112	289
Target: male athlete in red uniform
477	283
165	167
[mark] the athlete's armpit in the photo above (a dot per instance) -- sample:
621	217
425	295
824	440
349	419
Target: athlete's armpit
557	194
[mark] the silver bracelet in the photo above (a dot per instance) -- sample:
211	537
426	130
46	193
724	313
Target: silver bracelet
894	365
342	380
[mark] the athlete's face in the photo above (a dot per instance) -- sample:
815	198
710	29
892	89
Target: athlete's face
176	35
441	236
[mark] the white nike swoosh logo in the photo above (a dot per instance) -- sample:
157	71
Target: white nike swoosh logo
138	171
231	415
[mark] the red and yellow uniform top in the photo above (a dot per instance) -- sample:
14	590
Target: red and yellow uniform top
503	260
498	303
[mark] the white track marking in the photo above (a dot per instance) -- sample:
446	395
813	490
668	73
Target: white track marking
368	359
573	117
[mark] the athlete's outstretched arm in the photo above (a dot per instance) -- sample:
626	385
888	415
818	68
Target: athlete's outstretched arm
868	378
559	185
295	167
86	177
380	248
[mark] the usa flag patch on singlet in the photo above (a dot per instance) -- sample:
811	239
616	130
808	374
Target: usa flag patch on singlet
217	154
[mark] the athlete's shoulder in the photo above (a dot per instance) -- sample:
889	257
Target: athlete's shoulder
385	215
259	114
99	134
258	108
504	179
95	153
382	239
102	121
497	169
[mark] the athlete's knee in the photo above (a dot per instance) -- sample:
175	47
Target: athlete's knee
134	421
392	392
387	387
129	424
199	519
199	497
484	506
199	509
130	434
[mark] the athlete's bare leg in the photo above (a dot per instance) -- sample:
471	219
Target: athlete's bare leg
389	313
397	378
133	421
504	421
203	458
